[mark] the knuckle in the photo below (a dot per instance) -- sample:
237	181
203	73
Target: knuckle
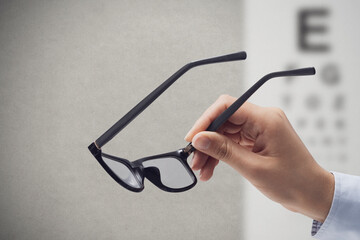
279	112
275	111
276	117
224	151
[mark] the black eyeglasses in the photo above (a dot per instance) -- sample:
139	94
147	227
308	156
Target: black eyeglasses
170	171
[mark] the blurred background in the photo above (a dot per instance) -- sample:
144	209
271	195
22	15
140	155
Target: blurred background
323	109
70	69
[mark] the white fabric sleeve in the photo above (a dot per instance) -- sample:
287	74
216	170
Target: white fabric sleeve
343	220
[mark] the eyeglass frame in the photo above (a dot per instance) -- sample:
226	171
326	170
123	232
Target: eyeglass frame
136	167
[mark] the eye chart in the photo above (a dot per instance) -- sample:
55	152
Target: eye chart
324	109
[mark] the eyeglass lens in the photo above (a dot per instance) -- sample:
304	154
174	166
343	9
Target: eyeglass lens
123	172
173	173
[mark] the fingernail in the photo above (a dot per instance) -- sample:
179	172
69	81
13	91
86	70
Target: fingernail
192	161
187	135
201	142
201	176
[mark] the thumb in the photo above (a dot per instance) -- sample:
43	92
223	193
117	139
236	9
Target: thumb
223	148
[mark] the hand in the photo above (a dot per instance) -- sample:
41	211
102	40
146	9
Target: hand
262	146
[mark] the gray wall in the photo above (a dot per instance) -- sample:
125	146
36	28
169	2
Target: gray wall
70	69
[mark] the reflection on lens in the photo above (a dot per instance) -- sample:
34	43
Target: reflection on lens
123	172
173	173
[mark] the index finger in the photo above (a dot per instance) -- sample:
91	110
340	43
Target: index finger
220	105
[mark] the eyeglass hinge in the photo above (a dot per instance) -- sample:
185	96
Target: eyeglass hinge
189	149
94	149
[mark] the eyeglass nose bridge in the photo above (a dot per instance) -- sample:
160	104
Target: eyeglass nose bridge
153	175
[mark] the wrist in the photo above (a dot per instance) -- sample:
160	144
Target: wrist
316	201
313	196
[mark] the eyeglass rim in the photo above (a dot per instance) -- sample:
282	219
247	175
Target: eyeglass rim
137	167
98	155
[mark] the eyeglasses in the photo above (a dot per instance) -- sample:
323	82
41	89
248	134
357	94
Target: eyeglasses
169	171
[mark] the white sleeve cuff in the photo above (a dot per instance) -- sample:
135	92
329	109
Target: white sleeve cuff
343	220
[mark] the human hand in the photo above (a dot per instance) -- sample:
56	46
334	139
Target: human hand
262	146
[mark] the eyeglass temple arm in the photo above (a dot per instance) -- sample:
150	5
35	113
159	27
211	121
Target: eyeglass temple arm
141	106
241	100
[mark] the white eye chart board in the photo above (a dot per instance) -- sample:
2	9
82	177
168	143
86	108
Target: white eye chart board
324	109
